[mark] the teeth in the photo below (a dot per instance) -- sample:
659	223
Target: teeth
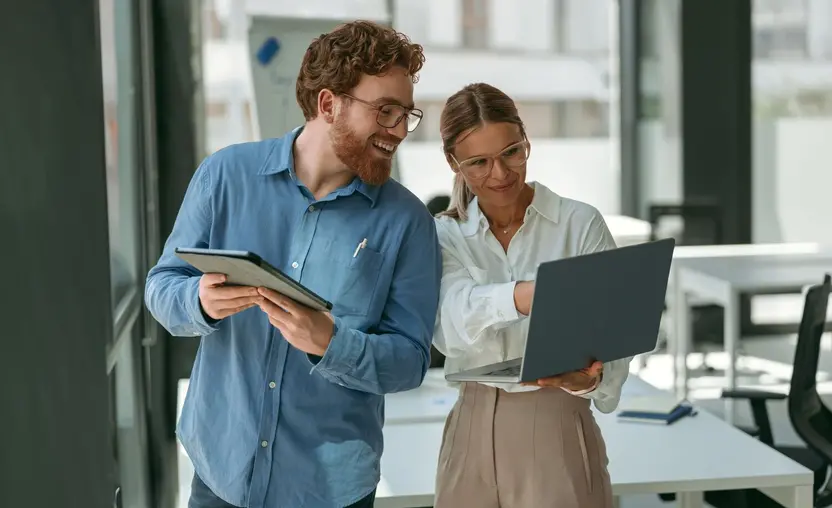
384	146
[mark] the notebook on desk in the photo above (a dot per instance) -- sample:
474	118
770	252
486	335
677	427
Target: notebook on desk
657	409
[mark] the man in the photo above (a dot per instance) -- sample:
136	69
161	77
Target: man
285	404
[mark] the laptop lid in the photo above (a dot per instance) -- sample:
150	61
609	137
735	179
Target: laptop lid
602	306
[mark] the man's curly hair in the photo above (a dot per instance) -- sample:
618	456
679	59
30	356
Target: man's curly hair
336	60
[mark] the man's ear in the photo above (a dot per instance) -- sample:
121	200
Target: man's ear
327	105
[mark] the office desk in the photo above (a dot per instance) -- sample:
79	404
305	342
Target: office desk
689	457
628	230
719	274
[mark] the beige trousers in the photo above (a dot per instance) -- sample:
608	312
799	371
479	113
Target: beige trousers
537	449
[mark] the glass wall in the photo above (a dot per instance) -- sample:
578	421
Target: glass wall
792	172
561	48
119	75
660	142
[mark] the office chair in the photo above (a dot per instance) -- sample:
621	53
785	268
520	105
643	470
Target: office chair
811	419
701	225
437	205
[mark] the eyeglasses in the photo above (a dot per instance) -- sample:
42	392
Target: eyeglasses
479	167
389	115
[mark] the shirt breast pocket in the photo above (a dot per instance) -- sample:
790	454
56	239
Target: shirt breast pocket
356	282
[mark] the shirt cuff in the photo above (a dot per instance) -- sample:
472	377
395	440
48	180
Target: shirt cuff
504	301
203	324
586	391
341	355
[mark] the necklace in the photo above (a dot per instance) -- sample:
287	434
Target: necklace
506	227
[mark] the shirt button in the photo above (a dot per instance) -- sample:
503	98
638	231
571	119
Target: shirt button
272	384
295	264
264	444
311	208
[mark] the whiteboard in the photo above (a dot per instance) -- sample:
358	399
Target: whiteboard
276	48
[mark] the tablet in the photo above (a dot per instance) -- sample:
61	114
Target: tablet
245	268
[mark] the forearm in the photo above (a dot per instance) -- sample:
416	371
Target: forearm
374	363
172	297
470	314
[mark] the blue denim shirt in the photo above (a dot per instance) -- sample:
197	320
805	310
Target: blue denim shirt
264	424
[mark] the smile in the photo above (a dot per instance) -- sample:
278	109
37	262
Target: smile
503	188
387	148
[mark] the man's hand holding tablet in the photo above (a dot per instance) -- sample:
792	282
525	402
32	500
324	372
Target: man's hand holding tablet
219	301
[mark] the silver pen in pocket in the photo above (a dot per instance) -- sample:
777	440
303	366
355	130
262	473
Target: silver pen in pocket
360	246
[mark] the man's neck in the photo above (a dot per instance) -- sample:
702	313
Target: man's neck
316	164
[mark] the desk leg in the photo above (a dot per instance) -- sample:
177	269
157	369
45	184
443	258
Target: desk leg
690	499
732	338
678	345
799	496
804	497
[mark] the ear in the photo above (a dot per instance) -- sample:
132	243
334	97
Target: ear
451	163
327	105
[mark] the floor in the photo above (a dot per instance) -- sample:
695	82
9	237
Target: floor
765	362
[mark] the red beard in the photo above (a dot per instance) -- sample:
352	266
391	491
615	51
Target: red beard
358	156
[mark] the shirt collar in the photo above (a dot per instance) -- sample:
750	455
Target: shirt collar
281	159
545	203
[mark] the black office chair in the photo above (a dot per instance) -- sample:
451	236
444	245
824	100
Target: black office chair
810	417
437	205
701	225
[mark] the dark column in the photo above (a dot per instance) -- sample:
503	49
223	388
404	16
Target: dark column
55	312
716	110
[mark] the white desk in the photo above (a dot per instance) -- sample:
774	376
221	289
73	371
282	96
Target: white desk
628	230
689	457
719	274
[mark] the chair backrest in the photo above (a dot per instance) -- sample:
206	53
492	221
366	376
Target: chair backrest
701	221
811	419
438	204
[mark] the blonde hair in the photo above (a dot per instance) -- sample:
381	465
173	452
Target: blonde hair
464	111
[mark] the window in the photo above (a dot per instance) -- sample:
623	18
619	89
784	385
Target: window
475	24
780	42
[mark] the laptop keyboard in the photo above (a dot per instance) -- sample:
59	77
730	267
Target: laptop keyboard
514	370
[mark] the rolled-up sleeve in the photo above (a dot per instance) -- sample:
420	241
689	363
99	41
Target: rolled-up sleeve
397	355
471	311
607	393
172	286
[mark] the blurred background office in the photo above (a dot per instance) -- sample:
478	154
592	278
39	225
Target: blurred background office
709	120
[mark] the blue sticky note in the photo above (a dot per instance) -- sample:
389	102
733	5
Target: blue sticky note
268	50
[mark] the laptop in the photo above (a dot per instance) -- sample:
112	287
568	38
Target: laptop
602	306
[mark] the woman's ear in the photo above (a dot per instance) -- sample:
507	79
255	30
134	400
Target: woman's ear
451	162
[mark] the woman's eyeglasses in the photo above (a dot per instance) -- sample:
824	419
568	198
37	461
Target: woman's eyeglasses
479	167
390	115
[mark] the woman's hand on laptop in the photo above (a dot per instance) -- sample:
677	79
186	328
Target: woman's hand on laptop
576	381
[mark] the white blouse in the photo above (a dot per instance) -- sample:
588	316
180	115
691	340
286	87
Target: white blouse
477	323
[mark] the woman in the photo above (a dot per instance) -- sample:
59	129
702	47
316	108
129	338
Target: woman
512	446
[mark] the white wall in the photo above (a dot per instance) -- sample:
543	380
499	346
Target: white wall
661	173
590	19
326	9
820	28
529	28
444	23
582	169
793	181
411	18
